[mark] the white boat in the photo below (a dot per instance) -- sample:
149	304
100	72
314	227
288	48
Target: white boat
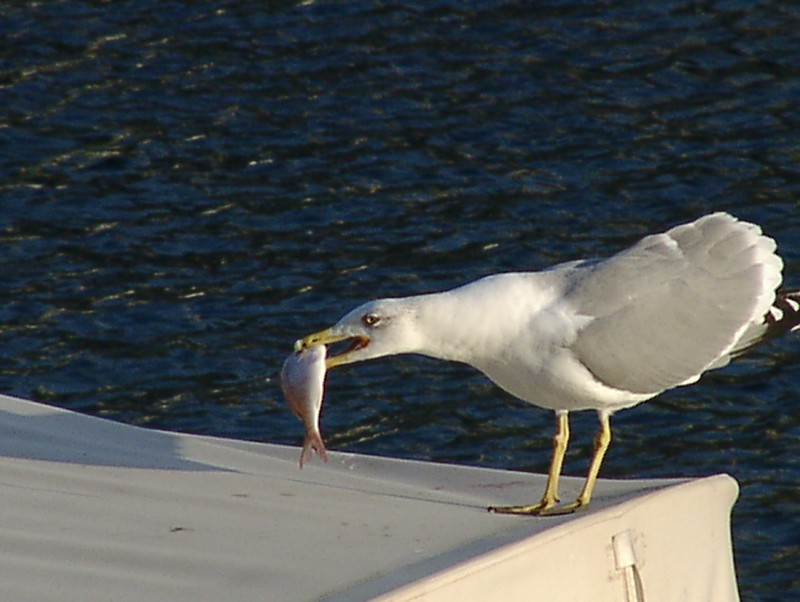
96	510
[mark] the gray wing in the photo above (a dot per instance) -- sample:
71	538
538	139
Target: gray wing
674	304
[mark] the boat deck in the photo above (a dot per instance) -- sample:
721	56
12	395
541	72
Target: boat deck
96	510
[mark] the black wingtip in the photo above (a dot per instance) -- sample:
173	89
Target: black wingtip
784	315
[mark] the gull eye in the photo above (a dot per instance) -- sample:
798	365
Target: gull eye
371	320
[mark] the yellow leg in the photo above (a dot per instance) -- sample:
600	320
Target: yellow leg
601	443
550	497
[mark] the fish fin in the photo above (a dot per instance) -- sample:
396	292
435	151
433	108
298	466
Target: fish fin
313	443
306	454
318	445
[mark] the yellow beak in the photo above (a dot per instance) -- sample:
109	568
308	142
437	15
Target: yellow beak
328	337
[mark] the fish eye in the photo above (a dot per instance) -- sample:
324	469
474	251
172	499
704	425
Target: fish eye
371	319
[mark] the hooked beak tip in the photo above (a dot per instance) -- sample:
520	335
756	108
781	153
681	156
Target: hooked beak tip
328	337
318	338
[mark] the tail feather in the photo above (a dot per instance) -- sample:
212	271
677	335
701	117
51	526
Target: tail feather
783	316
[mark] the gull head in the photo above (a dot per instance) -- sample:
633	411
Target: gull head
374	329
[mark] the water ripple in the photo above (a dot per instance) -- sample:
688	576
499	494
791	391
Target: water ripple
187	187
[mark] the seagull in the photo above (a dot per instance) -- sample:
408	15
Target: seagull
602	335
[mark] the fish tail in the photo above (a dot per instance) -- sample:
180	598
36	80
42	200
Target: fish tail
313	443
318	445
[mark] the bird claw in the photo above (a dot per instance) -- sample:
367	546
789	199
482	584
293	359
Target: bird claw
543	508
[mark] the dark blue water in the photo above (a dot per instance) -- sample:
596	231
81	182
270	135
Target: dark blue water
186	187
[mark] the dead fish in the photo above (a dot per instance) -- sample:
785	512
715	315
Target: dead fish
303	381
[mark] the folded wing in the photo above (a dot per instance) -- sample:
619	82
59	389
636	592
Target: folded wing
675	304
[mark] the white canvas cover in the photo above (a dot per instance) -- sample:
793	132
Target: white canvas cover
95	510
